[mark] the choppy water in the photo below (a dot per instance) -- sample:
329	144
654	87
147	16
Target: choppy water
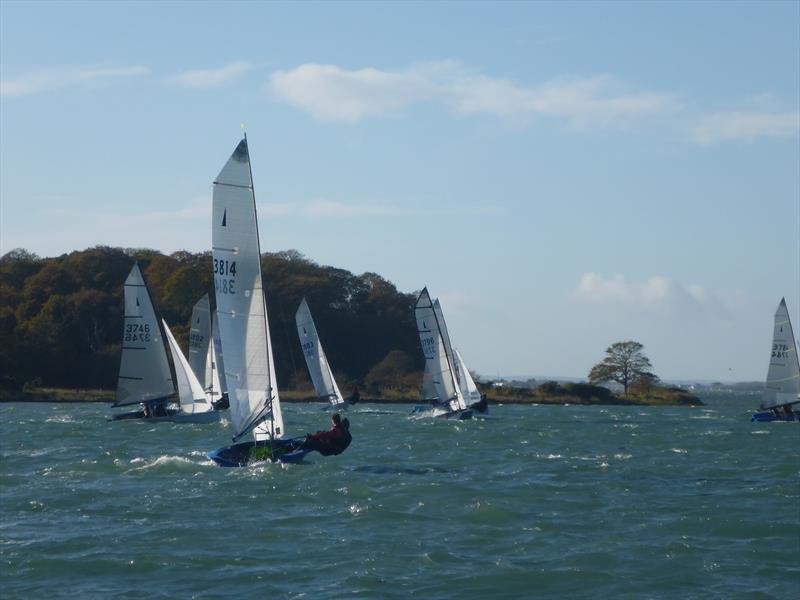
540	502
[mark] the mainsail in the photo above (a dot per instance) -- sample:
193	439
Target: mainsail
428	392
144	373
448	347
191	395
241	307
199	342
434	349
318	367
783	376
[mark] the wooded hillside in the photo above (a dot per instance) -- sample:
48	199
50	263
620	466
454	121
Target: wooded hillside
61	318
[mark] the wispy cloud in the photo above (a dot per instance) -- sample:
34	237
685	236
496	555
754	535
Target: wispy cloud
47	80
332	93
198	208
745	126
334	209
211	78
656	294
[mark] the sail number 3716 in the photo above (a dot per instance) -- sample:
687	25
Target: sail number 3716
224	276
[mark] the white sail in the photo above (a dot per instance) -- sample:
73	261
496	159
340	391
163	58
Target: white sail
783	376
448	347
219	361
434	350
318	367
428	392
191	395
214	389
241	308
199	341
468	388
144	372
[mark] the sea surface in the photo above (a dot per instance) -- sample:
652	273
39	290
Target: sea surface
537	502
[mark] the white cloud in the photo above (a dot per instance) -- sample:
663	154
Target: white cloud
657	294
745	125
330	92
46	80
333	209
199	208
211	78
340	210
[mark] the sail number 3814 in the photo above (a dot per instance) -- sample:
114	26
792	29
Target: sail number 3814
224	276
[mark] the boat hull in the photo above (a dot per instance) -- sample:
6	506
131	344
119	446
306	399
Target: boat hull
442	413
241	455
211	416
767	416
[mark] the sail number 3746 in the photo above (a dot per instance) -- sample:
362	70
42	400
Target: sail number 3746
224	276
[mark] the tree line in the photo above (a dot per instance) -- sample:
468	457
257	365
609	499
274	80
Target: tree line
61	318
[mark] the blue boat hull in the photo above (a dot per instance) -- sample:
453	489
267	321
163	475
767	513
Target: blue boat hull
241	455
768	416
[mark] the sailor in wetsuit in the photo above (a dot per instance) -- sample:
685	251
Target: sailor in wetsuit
333	441
355	396
481	405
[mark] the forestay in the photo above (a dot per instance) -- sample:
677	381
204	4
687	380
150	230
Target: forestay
318	367
200	342
783	376
191	395
436	356
144	373
241	308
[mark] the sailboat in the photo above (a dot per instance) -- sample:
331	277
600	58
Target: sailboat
243	323
318	366
469	390
202	353
782	388
440	363
145	376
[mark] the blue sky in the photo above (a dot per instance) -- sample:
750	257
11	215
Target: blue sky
562	176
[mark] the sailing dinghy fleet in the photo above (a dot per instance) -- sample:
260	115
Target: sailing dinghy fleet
145	377
231	362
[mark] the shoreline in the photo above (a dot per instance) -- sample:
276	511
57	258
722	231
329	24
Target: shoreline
76	396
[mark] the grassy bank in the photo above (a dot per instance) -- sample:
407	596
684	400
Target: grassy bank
586	394
548	393
56	395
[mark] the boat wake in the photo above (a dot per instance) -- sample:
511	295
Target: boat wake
162	462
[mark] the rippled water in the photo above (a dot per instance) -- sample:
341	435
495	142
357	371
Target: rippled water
561	501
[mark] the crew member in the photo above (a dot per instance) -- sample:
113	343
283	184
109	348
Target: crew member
333	441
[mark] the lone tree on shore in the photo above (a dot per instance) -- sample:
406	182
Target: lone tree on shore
625	363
